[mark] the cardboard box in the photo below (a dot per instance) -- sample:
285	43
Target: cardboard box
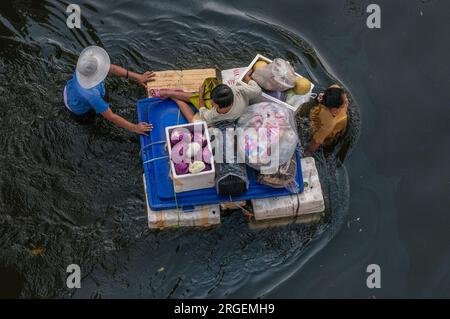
186	80
265	96
190	182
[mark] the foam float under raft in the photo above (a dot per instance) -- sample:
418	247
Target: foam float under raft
305	207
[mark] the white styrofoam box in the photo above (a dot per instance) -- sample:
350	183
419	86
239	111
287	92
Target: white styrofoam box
190	182
279	222
264	95
231	76
201	216
311	200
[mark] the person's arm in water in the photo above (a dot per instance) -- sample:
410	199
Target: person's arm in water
312	148
140	128
124	73
186	110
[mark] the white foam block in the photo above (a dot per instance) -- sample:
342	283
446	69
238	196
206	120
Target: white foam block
201	216
309	202
280	222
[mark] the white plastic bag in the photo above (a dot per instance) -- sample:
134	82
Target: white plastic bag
285	177
298	100
276	76
267	136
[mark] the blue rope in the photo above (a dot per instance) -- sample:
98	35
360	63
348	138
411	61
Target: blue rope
154	143
155	159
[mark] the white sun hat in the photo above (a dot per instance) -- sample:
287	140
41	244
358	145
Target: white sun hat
92	66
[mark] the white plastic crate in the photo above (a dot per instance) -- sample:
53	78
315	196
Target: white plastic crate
190	182
201	216
311	200
265	96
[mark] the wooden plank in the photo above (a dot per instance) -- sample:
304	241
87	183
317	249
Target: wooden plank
186	80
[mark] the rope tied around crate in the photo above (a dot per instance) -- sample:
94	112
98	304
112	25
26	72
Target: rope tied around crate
156	159
153	143
245	211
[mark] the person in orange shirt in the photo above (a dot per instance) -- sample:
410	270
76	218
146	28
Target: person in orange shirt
328	118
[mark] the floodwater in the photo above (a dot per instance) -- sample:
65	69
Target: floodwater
72	192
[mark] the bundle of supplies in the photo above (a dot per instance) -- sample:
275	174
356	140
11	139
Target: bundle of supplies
267	136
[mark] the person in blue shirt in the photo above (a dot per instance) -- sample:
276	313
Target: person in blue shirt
86	90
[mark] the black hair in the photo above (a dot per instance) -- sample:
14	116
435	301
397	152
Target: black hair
333	97
222	95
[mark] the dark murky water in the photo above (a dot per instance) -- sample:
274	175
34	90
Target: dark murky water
75	190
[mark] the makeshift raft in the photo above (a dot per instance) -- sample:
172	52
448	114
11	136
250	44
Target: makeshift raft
202	208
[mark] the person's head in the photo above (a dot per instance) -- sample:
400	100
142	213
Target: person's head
332	98
92	67
222	96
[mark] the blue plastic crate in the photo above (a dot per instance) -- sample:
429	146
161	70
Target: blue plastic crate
161	194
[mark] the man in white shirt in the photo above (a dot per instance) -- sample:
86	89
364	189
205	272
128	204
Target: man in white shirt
229	102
